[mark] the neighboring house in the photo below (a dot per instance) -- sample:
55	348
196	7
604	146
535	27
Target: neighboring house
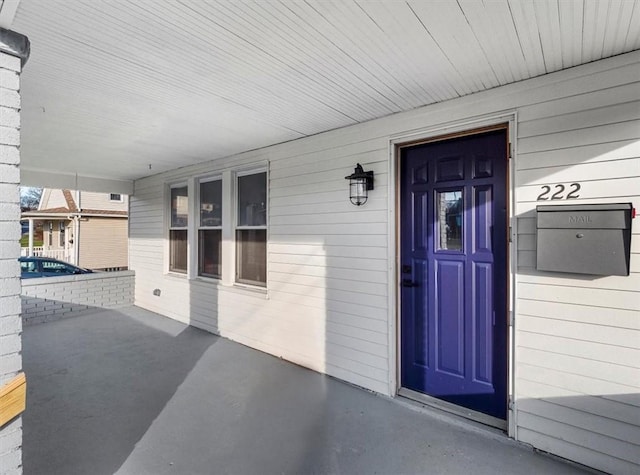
87	229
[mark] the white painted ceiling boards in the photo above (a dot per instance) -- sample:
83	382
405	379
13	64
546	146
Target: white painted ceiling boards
115	85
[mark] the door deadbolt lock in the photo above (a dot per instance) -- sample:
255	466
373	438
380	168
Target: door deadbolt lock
409	283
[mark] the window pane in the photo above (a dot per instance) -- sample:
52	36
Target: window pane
178	251
209	252
450	220
252	200
28	266
251	266
179	207
211	203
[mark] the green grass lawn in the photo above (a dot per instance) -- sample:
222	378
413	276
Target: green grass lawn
24	241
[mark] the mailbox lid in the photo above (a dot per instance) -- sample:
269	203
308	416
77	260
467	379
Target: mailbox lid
588	216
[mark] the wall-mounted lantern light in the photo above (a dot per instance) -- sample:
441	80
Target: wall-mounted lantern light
360	182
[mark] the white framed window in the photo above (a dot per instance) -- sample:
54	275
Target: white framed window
217	227
209	223
178	224
251	228
116	197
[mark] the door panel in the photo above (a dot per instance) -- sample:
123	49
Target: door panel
449	168
421	330
483	218
449	334
482	321
453	241
420	209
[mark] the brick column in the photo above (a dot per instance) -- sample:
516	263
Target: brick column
14	50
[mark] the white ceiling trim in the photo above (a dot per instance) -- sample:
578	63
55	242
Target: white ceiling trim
47	179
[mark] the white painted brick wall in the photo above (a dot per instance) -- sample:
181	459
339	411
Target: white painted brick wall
10	344
10	63
10	325
9	211
10	459
9	98
9	79
10	442
9	173
10	156
10	286
9	306
9	117
52	298
11	364
10	321
9	192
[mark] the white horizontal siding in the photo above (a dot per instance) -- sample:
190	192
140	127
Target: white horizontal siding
326	305
577	358
103	243
623	435
576	443
606	408
93	200
586	172
332	318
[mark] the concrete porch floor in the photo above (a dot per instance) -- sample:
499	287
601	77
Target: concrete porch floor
131	392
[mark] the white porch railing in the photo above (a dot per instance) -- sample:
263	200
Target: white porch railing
39	251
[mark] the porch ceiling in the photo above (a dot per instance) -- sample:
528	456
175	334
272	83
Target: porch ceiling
115	86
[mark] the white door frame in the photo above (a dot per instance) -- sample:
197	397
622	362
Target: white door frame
458	127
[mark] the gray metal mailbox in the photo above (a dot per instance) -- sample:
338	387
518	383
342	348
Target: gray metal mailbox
584	239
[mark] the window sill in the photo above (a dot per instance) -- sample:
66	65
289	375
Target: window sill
176	275
250	288
208	280
235	287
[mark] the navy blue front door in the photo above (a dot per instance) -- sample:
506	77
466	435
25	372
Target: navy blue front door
453	270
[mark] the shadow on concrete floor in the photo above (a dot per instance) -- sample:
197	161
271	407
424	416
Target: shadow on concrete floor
96	383
131	392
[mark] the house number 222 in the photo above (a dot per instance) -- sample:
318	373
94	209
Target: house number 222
559	192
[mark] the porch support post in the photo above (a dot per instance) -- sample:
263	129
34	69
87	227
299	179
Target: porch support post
14	51
30	237
76	240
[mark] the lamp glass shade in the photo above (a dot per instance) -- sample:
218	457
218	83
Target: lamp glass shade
358	191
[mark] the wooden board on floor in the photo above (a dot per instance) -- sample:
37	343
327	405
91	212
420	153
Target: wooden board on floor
13	398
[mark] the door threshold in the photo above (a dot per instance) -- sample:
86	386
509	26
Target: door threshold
453	408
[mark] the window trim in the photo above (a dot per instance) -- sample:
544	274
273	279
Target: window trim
119	200
169	227
229	181
198	227
235	227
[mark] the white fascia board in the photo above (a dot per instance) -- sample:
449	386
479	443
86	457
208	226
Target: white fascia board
48	179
